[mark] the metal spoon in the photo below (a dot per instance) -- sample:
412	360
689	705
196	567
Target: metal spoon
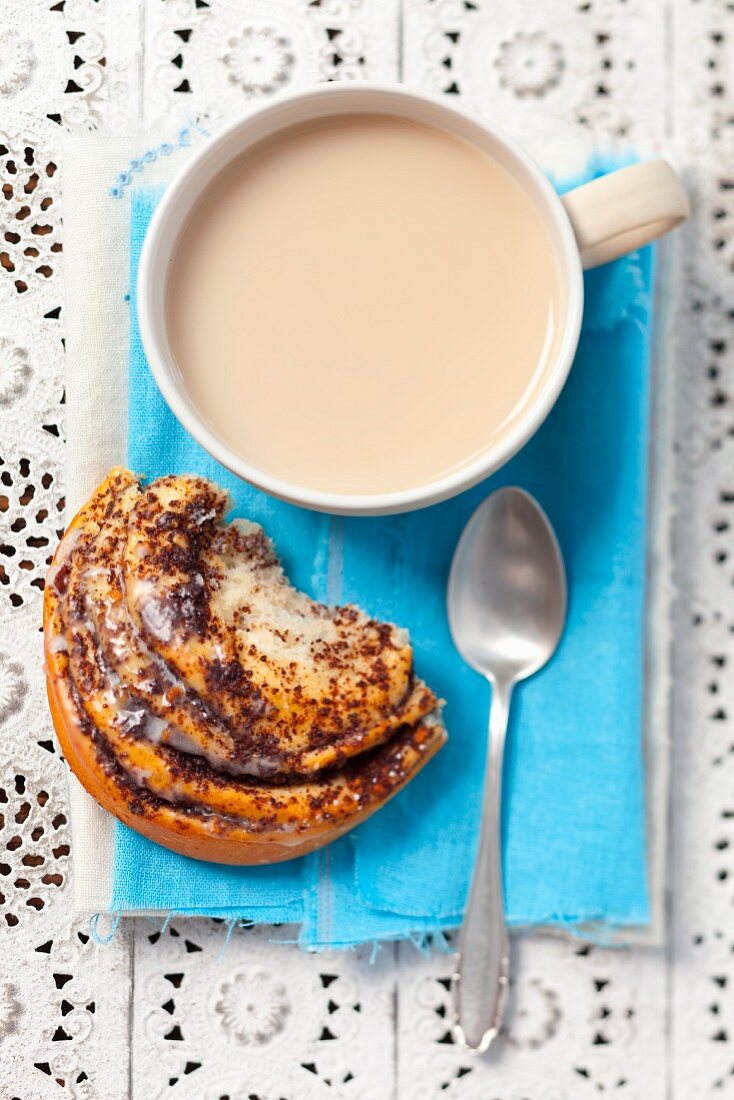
507	609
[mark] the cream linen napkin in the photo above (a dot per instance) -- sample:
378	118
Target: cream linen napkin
96	286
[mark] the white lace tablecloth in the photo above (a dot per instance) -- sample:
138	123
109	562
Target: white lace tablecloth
167	1013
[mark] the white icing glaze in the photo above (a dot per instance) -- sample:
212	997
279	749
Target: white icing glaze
155	613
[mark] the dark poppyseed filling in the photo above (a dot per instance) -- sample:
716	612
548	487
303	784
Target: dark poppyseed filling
127	672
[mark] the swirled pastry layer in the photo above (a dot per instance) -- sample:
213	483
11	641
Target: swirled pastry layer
197	690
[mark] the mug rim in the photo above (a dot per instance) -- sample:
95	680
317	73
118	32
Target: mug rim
159	246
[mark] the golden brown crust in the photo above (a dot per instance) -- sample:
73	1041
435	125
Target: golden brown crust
214	840
174	797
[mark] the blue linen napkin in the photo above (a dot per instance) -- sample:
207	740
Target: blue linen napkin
573	828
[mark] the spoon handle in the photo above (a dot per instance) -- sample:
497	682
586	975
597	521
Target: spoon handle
479	985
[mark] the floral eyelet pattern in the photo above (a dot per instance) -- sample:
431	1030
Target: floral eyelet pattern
253	1007
530	64
259	60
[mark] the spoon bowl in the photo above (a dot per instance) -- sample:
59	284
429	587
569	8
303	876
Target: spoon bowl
507	587
507	610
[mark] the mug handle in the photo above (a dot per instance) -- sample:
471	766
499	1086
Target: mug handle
625	210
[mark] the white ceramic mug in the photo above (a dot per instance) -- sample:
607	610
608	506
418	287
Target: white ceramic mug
588	226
